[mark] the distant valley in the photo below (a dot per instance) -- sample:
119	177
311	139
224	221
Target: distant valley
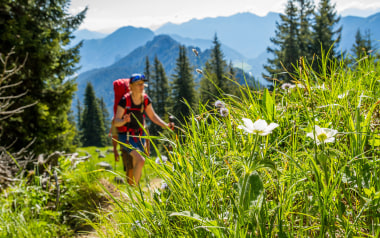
244	38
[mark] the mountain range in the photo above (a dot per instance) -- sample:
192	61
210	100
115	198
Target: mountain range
244	38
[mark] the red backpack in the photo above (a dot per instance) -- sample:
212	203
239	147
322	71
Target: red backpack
120	88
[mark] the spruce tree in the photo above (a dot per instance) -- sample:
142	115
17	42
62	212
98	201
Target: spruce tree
286	53
92	120
183	87
41	32
78	125
162	89
325	35
105	115
159	89
304	37
147	71
214	82
362	45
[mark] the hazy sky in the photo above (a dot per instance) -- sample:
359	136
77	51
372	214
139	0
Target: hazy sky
108	15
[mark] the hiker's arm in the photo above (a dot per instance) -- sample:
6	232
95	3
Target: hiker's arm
120	120
156	119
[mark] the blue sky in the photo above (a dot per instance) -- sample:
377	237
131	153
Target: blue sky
108	15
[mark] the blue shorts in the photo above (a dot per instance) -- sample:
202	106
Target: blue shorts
135	141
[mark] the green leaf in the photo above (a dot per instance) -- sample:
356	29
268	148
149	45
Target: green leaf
250	189
268	105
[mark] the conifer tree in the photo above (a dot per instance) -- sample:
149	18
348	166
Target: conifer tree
78	125
105	115
162	89
325	34
41	32
304	36
214	78
362	45
147	71
286	41
92	120
79	114
159	89
183	86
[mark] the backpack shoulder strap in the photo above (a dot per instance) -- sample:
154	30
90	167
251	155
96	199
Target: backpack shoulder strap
145	102
128	101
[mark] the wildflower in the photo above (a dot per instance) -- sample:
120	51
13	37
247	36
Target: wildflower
223	112
195	52
321	87
163	158
299	85
260	127
343	95
164	186
287	86
219	104
199	71
137	224
322	135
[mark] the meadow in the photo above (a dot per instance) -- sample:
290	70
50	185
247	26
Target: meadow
299	161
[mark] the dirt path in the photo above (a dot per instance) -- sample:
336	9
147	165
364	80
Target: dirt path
116	193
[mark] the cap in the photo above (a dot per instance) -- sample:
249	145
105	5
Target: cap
137	77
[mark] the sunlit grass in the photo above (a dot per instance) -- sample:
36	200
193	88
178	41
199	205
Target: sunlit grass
226	181
316	174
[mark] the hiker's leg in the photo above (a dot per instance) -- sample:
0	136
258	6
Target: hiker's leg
138	164
128	166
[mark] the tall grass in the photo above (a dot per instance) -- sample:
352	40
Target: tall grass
224	182
29	210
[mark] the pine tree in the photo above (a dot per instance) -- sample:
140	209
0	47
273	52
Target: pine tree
105	115
183	87
287	52
92	120
159	89
305	18
147	75
79	114
78	125
325	35
214	82
41	31
362	45
162	89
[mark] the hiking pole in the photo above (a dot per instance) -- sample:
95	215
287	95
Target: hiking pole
172	119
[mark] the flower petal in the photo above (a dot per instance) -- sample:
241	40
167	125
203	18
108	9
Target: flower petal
272	126
260	125
330	140
248	123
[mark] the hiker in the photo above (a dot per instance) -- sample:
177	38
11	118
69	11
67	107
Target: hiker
130	113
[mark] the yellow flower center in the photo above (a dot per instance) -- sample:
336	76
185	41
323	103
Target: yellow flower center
322	137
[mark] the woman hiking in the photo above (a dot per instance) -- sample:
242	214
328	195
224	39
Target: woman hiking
130	113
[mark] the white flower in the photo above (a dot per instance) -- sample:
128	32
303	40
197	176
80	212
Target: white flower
163	158
223	112
260	127
287	86
322	135
321	87
343	95
219	104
